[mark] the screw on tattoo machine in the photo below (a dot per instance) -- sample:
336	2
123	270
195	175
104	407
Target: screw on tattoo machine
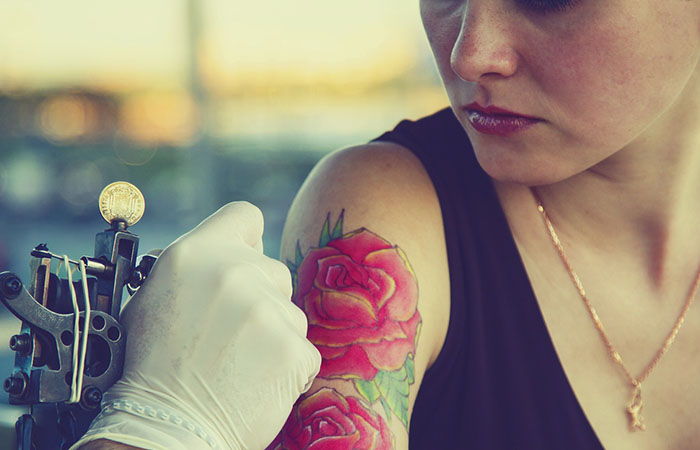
70	347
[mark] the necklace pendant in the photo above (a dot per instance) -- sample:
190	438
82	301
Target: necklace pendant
634	410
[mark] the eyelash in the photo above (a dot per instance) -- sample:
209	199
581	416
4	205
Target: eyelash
545	6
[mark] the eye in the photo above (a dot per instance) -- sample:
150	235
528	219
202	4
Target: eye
545	6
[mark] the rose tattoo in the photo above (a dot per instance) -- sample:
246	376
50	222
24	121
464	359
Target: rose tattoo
326	420
360	296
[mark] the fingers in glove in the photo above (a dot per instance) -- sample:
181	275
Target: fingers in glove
313	363
239	219
278	273
246	280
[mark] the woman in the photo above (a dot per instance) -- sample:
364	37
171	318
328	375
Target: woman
433	284
602	105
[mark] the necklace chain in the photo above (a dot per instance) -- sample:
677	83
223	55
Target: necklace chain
634	408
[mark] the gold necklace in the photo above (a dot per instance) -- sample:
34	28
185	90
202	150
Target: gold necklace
634	408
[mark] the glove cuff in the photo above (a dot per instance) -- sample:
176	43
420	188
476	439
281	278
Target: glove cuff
146	426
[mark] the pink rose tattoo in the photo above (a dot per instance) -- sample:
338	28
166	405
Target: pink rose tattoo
326	420
360	296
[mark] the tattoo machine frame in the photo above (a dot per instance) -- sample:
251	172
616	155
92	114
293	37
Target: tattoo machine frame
45	347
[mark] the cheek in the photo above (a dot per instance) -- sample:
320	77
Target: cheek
584	83
442	28
606	83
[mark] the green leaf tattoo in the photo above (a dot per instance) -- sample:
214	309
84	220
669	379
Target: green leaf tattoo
391	388
368	390
387	409
338	229
410	370
299	257
325	232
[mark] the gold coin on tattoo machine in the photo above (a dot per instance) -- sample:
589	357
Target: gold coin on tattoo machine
122	201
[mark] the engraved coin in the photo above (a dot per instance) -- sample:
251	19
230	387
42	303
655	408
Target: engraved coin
122	201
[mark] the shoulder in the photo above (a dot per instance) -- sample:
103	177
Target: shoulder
387	181
381	182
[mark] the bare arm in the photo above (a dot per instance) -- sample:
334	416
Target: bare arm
365	244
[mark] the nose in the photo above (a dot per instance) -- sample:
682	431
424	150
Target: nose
484	47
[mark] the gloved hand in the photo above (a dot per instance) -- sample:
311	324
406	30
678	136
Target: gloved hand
216	352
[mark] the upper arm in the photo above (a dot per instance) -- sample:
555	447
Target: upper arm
365	243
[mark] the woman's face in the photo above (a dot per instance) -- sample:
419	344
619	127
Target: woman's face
601	76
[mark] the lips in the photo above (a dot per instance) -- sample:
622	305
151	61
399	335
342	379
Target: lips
497	121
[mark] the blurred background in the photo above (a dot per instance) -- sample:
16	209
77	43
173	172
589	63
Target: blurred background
197	102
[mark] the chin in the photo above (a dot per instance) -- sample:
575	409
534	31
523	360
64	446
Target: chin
520	170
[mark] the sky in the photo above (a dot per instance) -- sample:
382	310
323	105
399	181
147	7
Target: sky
131	43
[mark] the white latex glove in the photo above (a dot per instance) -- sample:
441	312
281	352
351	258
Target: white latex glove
216	352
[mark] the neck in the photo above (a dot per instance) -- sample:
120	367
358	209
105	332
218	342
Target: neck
643	201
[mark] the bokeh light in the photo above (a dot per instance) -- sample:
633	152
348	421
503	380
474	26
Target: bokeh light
159	117
67	118
79	185
29	182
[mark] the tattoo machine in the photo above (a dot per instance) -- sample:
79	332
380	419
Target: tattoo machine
60	370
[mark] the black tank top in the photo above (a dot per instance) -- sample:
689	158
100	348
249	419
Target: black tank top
498	382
